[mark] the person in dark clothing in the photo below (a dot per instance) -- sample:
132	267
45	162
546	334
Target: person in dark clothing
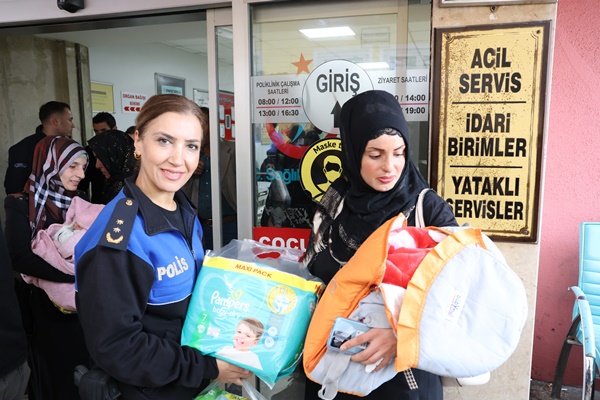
136	267
113	151
57	120
56	343
14	371
103	122
378	182
131	132
198	189
94	181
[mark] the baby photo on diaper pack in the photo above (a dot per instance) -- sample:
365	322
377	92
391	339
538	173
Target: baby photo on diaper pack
251	306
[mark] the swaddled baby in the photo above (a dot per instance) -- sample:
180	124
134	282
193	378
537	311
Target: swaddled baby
56	245
66	238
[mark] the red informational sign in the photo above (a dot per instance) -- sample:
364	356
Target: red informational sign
295	238
226	116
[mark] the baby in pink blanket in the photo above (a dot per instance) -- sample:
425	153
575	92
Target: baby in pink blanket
56	245
66	238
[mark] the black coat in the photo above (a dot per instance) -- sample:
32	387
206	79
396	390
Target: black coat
13	344
20	158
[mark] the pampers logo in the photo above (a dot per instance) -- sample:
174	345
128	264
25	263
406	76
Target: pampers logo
179	266
229	306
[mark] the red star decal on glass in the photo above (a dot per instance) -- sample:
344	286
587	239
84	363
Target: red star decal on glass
302	64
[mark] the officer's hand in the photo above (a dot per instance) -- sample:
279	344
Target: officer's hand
229	373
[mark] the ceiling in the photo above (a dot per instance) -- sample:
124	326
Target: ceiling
188	33
186	36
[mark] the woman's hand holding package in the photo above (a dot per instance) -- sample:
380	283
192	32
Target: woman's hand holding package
229	373
381	349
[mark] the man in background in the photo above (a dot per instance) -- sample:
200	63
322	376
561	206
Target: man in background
103	122
56	120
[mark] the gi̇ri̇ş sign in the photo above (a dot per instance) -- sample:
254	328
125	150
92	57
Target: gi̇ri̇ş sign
488	125
328	87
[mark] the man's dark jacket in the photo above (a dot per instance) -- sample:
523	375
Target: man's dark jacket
20	159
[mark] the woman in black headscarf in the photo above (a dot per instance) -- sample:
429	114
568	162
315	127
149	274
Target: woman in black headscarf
379	181
114	158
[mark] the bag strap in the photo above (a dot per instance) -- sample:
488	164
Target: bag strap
419	223
419	219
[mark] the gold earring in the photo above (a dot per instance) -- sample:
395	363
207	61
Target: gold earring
137	155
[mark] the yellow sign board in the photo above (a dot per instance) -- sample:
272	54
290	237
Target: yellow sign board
102	97
488	125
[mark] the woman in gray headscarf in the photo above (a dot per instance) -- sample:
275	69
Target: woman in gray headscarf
55	337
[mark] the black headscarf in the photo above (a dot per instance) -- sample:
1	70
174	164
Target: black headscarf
363	118
115	150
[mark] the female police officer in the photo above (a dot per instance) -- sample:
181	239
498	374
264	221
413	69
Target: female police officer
137	265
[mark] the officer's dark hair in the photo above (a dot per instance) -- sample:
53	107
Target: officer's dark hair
50	108
105	117
160	104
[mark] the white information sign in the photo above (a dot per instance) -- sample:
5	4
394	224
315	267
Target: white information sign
278	99
411	89
132	102
319	96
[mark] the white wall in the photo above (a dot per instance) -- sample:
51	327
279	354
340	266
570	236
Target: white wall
131	69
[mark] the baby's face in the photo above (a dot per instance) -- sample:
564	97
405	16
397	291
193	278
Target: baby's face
244	338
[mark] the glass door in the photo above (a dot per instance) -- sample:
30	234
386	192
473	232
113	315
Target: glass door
306	61
219	154
296	63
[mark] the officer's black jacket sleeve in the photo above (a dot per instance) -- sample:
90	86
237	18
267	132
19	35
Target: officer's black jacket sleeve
18	240
113	287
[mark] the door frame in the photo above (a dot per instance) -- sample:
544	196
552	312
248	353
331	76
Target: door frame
216	18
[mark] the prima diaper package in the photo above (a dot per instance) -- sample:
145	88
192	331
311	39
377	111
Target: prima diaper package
251	306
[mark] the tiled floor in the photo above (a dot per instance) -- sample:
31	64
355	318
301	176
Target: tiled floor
540	391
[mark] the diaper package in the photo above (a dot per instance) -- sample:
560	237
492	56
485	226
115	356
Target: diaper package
251	306
219	394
